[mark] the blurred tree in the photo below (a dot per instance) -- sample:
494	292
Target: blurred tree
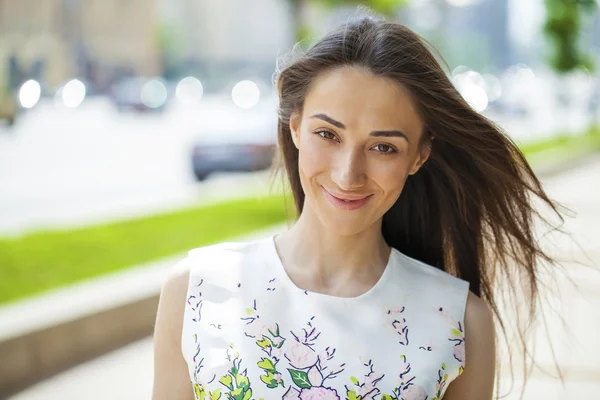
385	7
563	28
169	45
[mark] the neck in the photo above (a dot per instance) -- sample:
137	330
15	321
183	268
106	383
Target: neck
322	260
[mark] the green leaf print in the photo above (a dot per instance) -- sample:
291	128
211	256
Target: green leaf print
263	344
215	394
242	382
300	378
267	365
237	394
351	395
199	391
276	333
269	380
456	332
248	395
354	380
226	381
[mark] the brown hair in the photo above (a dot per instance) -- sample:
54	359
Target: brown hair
469	210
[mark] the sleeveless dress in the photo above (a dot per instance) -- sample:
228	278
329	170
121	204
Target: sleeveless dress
250	333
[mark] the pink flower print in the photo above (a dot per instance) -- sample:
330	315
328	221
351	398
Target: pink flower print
456	326
314	376
326	355
300	355
459	352
258	329
327	365
319	393
277	354
291	394
309	334
401	330
368	391
414	393
397	322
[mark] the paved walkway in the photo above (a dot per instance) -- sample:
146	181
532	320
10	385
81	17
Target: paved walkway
127	373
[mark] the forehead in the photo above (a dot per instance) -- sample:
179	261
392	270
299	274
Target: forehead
357	98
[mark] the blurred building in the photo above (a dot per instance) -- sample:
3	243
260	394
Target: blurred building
225	40
98	40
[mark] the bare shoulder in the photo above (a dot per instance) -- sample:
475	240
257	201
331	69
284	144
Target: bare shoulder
170	369
477	380
178	278
478	316
172	297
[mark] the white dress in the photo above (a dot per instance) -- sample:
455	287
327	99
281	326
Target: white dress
250	333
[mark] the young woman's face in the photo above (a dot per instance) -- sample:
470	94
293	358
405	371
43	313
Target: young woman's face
358	139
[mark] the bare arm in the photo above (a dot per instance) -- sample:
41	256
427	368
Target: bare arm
171	378
477	380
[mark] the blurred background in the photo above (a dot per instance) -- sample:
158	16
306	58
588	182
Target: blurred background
133	130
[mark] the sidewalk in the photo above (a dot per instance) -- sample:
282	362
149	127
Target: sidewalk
127	373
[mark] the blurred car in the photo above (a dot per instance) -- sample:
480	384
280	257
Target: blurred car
139	94
235	140
231	157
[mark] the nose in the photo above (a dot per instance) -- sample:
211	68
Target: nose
348	172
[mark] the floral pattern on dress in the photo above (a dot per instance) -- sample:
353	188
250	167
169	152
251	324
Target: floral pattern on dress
367	389
457	335
236	380
299	363
270	341
396	320
440	385
309	365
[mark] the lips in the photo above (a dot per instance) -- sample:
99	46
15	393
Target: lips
345	202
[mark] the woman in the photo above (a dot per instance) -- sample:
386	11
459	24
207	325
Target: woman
410	207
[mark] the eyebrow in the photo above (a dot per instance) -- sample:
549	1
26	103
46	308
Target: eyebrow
338	124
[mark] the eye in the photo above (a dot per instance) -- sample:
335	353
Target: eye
386	149
324	134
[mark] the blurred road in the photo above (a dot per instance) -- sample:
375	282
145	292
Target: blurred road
127	373
62	167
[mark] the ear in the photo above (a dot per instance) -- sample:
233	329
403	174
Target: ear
422	158
295	128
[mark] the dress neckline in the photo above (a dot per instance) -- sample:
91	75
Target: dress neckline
281	272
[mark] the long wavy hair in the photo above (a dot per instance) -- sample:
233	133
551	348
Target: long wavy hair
470	209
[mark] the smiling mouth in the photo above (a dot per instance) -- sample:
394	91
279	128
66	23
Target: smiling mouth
346	198
346	203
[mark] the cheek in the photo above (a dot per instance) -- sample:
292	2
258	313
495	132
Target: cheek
313	158
389	175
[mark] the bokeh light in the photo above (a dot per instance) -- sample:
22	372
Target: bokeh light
245	94
73	93
471	86
30	93
154	93
189	90
492	86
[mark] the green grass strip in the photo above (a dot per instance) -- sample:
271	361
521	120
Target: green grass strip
41	261
563	146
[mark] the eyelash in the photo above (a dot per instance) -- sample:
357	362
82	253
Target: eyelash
386	153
